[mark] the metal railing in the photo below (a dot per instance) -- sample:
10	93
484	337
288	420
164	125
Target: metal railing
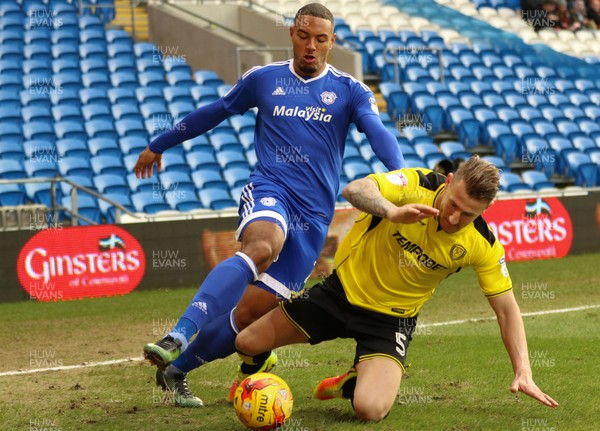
56	207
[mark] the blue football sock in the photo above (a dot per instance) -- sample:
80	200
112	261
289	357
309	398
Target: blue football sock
218	294
216	340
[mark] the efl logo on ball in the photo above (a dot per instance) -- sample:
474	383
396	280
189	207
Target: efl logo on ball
263	401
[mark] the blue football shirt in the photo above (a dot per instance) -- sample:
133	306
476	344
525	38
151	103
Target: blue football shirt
301	128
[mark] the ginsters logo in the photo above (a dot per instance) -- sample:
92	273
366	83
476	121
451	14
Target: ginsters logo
531	228
81	262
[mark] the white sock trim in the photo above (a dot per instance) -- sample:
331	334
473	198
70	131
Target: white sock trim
249	262
232	322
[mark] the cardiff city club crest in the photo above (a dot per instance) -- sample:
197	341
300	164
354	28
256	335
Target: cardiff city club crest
328	97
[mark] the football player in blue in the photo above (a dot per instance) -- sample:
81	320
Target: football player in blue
305	107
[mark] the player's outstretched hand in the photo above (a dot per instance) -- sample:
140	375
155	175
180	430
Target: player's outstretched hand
146	162
411	213
526	385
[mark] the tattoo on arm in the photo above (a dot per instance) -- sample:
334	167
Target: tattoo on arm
365	196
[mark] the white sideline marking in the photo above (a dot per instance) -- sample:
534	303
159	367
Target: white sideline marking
71	367
426	325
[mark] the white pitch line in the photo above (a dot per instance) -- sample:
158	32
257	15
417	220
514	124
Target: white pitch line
70	367
425	325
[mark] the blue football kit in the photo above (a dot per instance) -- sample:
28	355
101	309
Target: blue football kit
299	139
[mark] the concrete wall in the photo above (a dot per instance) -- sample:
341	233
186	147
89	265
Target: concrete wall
180	30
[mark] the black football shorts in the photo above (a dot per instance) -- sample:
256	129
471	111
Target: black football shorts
324	313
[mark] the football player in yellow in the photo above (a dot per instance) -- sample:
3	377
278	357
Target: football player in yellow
417	228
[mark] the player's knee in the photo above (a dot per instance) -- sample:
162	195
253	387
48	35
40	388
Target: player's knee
370	409
262	253
243	342
244	316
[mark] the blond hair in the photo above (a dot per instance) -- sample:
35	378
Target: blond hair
482	178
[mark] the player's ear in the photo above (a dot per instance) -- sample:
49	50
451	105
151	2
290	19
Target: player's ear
291	30
449	178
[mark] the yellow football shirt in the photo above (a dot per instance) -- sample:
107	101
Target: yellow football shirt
394	268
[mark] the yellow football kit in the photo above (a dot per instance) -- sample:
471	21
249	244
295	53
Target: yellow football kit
394	268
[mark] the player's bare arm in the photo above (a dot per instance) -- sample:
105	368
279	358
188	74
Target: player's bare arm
513	335
146	160
365	195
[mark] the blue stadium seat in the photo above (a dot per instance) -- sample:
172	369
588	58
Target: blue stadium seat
216	199
498	162
108	165
93	35
72	165
97	80
126	111
65	51
177	94
118	36
96	112
69	130
428	152
180	79
146	50
125	80
433	114
589	127
32	130
536	180
149	202
176	64
66	97
72	148
10	116
204	93
147	95
230	159
397	99
208	77
11	195
356	170
138	184
199	143
545	128
152	80
225	142
583	169
175	181
129	127
178	110
561	147
44	168
174	162
132	145
466	126
120	51
584	144
453	150
41	193
87	206
121	65
568	128
416	135
149	65
208	179
122	95
12	151
511	182
111	183
104	147
109	211
11	169
236	177
100	129
93	96
242	123
505	141
183	201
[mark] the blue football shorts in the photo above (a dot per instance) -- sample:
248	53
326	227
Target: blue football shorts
304	237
